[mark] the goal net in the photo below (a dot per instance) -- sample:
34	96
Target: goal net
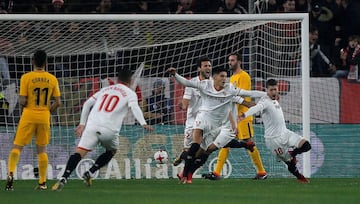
85	52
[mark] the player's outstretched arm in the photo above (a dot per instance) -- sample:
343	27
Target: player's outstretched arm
251	111
182	80
252	93
248	104
171	71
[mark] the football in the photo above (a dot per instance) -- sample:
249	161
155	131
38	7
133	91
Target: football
161	157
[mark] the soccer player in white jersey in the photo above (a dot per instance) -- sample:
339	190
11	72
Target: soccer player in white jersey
282	142
101	120
192	101
217	101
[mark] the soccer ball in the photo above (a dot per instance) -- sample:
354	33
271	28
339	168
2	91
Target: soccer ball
161	157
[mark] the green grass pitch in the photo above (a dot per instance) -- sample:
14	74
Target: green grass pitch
169	191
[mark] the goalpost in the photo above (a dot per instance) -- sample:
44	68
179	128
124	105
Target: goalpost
85	51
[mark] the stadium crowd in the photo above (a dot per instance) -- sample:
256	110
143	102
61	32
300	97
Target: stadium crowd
334	24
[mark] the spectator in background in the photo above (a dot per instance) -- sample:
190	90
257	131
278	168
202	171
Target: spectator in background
354	59
345	58
231	7
57	6
157	108
6	7
185	7
321	17
288	6
318	66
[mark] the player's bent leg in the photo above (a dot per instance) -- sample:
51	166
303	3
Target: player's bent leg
102	160
71	164
304	147
189	161
294	171
234	143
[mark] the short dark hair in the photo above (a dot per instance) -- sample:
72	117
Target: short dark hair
217	70
271	82
313	29
40	58
238	55
125	75
202	59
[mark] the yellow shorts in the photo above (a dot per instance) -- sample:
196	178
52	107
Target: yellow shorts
26	130
245	130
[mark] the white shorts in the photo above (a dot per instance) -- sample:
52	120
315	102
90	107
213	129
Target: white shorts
209	137
280	146
93	135
187	137
205	124
220	137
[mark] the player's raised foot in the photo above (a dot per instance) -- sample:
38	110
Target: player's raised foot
59	185
211	176
177	161
9	183
41	186
260	176
302	179
250	145
87	178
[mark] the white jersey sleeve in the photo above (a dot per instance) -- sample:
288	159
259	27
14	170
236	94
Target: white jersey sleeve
272	116
138	114
259	107
238	99
187	83
86	108
252	93
188	93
